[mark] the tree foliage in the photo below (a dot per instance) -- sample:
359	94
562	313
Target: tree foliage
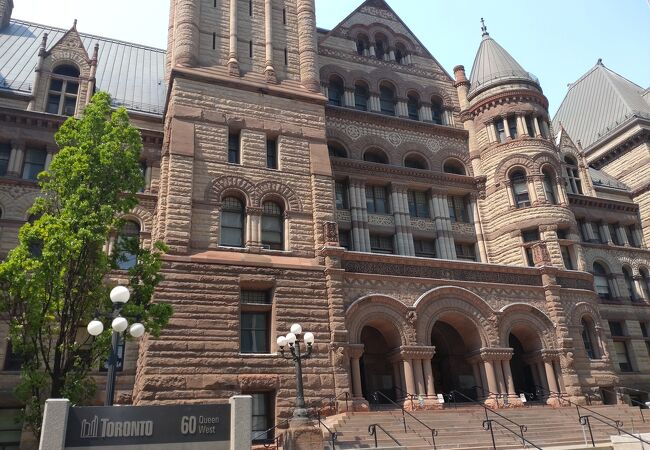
57	279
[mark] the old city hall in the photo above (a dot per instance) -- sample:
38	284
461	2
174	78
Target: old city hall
437	231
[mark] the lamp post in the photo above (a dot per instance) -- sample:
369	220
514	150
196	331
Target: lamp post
119	297
293	341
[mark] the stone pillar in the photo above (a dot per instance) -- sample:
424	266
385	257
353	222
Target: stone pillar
491	377
507	373
428	378
638	236
558	374
348	98
233	58
506	128
419	377
55	424
359	216
48	158
355	355
642	290
546	132
186	33
532	190
622	236
241	413
445	248
408	376
541	374
550	375
147	177
371	50
269	71
538	133
425	112
401	108
374	104
17	156
477	374
403	234
498	368
491	131
253	227
478	229
307	46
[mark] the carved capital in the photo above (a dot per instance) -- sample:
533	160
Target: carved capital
496	354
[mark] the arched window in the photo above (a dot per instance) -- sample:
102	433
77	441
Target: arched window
128	242
645	283
589	338
64	88
437	111
272	226
549	185
335	91
381	46
413	106
233	219
336	150
400	54
361	96
629	284
362	45
454	166
574	185
415	162
387	99
519	188
375	155
601	282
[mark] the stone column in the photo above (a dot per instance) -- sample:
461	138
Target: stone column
640	288
521	126
355	355
478	229
638	236
408	376
550	375
186	31
48	158
419	377
253	236
307	46
374	104
491	131
506	128
371	50
269	71
541	374
401	108
403	233
359	216
532	189
348	98
491	377
546	132
428	378
498	368
558	373
233	57
538	133
604	231
147	177
16	159
507	374
477	374
445	237
622	235
425	112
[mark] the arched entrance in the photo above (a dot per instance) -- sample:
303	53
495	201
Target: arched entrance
525	365
377	371
522	372
455	338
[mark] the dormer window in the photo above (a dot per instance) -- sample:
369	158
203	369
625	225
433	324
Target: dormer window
63	91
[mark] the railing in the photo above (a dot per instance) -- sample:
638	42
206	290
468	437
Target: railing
372	431
487	423
268	443
585	420
641	405
333	435
433	431
406	395
617	423
333	403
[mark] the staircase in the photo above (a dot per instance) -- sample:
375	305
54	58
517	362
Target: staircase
462	428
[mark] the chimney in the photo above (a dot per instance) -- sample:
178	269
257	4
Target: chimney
462	86
6	7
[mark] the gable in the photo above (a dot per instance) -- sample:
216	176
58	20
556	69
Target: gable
70	47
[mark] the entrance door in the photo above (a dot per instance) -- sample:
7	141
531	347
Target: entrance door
522	373
451	371
376	371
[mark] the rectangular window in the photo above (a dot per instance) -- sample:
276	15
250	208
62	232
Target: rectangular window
376	200
418	204
234	143
595	229
271	153
501	131
530	235
562	234
629	232
13	361
425	248
5	154
512	127
255	322
10	429
465	252
262	417
644	329
623	356
344	239
121	347
342	195
34	163
582	226
530	259
616	328
458	209
614	234
566	257
530	125
381	244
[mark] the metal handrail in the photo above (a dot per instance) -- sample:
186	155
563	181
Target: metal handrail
332	401
522	428
276	441
487	426
634	389
333	434
584	420
618	423
372	431
406	395
638	403
263	433
433	431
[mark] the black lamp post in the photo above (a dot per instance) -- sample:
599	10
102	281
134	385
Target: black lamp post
293	341
119	296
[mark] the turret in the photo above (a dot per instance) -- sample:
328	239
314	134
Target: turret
6	8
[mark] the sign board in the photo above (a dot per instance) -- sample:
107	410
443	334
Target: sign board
441	398
184	426
523	398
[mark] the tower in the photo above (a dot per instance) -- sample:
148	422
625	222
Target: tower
524	202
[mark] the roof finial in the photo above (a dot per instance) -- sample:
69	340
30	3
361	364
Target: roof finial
74	25
600	61
484	28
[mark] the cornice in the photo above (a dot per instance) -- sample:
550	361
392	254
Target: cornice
602	203
514	96
340	112
520	142
624	147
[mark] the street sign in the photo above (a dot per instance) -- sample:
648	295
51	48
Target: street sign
115	426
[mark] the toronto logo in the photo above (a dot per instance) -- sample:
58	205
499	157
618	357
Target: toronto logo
107	428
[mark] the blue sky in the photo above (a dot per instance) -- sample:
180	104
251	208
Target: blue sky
557	40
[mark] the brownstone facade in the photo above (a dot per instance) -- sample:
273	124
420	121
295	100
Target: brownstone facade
433	231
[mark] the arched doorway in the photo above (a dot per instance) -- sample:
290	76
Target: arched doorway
522	372
377	371
455	338
525	365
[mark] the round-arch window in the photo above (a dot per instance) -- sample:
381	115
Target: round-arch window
335	91
589	338
63	90
232	222
387	100
413	106
376	156
415	162
455	167
601	282
549	185
272	226
361	96
336	150
128	242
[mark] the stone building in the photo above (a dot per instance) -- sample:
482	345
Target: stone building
435	231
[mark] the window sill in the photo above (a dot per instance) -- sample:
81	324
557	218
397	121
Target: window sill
258	355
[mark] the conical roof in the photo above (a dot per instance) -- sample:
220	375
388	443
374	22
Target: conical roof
494	65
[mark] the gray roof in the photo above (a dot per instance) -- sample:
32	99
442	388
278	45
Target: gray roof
494	65
600	178
598	103
133	74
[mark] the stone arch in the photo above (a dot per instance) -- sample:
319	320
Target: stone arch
416	156
375	308
433	91
229	183
604	257
439	301
544	159
516	161
528	322
366	142
355	76
580	310
277	189
330	70
145	218
407	148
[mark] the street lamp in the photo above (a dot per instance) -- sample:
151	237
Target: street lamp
293	341
119	297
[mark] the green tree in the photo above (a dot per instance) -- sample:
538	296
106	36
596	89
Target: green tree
57	278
